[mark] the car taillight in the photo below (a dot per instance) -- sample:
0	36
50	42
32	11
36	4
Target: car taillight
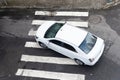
91	59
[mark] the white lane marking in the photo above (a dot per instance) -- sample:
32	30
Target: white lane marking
55	60
73	23
61	13
32	45
31	32
49	75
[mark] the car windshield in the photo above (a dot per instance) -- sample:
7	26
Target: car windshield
88	43
52	31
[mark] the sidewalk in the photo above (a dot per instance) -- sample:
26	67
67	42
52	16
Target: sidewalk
59	4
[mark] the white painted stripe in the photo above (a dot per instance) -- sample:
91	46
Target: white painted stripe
49	75
31	32
70	13
79	24
61	13
73	23
32	45
47	13
55	60
38	22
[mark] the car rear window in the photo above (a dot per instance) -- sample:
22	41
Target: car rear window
52	31
88	43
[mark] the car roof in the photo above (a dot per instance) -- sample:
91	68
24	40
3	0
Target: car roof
71	34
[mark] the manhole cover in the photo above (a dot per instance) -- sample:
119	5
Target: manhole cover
95	19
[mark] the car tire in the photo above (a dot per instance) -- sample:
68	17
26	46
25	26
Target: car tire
42	45
79	62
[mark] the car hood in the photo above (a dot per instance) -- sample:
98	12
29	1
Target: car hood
43	28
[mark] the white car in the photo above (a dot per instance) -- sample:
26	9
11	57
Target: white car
73	42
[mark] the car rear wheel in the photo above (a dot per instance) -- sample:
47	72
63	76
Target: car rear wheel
79	62
42	45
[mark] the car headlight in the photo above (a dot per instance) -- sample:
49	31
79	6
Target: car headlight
91	59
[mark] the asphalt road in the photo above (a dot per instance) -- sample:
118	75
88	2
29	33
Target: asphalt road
16	23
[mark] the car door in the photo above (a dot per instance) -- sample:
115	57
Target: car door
62	48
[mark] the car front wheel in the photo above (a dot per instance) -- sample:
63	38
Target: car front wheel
79	62
42	45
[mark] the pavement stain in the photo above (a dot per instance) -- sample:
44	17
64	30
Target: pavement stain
111	37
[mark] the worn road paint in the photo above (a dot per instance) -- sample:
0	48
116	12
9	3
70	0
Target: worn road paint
32	32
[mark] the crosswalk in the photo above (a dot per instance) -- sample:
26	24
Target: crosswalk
49	59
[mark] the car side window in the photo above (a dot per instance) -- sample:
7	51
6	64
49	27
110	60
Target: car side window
63	45
56	42
69	47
